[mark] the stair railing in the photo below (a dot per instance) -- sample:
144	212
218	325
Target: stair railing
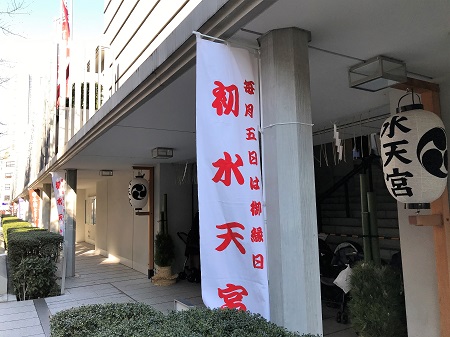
365	166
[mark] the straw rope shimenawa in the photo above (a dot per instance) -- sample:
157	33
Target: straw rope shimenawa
164	276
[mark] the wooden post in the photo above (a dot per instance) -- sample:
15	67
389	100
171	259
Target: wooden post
151	219
430	101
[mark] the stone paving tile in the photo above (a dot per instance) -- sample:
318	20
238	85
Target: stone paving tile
23	323
32	331
16	317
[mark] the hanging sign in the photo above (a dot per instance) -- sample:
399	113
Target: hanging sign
138	192
22	209
59	190
414	154
35	203
232	230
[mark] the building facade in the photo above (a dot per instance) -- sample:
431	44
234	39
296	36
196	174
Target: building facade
136	92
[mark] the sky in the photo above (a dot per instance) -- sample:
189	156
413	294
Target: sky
35	28
39	17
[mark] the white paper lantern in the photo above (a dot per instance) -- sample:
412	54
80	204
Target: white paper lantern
138	192
414	154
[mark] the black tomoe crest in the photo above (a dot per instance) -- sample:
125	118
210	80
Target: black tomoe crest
432	152
138	192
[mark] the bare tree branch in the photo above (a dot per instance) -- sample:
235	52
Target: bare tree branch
13	8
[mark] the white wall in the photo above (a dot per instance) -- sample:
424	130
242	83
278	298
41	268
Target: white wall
120	217
419	273
124	235
155	20
81	211
101	234
119	232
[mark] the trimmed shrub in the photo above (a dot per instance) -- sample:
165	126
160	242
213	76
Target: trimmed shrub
377	305
16	223
104	320
32	256
164	250
220	322
140	320
35	277
7	217
24	242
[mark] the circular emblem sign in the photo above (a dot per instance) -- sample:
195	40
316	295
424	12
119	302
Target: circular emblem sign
414	154
138	192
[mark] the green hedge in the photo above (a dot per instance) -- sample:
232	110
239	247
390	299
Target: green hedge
13	223
7	217
25	242
124	319
219	323
140	320
35	277
32	256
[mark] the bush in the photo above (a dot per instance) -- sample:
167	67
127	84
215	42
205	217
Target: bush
377	305
221	322
7	217
125	319
140	320
24	242
35	277
32	257
14	223
164	250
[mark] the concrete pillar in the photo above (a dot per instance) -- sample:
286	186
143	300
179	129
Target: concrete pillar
46	194
71	213
293	264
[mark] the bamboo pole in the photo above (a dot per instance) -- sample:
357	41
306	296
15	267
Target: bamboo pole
365	218
375	246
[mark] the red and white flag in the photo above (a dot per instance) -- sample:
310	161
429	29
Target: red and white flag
35	205
59	190
232	230
65	37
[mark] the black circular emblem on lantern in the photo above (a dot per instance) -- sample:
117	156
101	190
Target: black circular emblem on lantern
432	152
138	192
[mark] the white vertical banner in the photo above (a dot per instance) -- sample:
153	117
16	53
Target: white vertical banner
232	231
59	190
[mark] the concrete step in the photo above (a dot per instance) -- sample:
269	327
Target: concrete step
381	206
356	213
339	230
355	222
356	199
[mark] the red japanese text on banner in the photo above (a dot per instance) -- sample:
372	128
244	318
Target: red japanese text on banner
35	205
232	229
59	190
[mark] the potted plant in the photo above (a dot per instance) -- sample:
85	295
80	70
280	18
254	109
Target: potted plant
164	252
377	304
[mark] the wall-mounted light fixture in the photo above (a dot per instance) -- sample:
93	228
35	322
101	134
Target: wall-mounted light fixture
377	73
106	173
162	153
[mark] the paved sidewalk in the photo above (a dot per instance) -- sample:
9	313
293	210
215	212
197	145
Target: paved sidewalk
101	280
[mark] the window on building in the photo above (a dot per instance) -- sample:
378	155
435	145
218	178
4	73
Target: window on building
8	175
90	216
7	187
10	164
